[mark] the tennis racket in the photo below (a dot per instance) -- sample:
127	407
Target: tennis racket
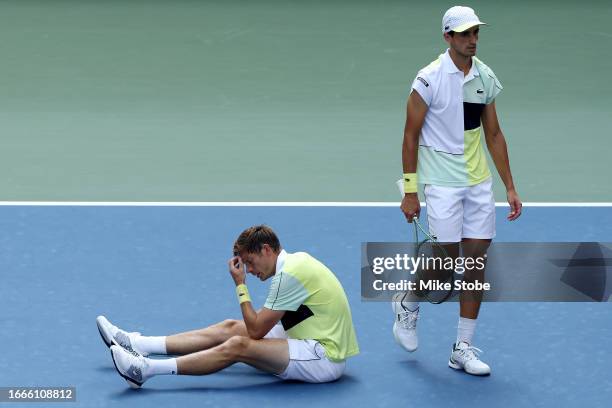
436	278
435	272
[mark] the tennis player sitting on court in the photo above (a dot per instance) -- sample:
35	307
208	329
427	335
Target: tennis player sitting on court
449	99
304	331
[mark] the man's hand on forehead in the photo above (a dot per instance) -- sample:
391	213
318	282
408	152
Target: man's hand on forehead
236	270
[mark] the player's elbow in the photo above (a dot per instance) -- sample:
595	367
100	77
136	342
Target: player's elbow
411	140
494	137
256	333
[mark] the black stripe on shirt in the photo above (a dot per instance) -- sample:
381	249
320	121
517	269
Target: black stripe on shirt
471	115
291	319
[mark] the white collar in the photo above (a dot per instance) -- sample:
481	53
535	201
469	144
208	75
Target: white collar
280	260
451	68
473	73
447	61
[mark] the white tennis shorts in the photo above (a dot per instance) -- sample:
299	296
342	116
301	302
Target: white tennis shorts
307	360
454	213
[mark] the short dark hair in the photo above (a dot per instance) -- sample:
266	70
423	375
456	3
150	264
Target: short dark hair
252	240
451	33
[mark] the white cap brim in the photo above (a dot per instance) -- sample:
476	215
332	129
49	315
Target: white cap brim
466	26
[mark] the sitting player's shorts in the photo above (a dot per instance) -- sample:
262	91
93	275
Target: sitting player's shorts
461	212
307	360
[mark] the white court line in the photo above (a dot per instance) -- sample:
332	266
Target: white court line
262	204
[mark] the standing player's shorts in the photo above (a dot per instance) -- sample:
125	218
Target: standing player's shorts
307	360
461	212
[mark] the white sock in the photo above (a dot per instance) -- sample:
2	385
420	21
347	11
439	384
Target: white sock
410	301
166	366
151	344
465	330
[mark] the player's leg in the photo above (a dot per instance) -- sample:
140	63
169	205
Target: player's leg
470	300
203	339
478	231
177	344
444	218
269	355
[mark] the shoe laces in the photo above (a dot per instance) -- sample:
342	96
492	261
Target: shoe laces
469	353
408	319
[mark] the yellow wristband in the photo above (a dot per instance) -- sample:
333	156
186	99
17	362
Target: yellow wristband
410	182
243	293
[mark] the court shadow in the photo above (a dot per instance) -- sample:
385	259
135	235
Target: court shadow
447	375
242	386
106	369
462	385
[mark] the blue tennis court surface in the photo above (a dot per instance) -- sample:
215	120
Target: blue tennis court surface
161	270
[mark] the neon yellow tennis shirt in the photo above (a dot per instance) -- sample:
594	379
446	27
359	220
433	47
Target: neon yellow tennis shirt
315	304
450	148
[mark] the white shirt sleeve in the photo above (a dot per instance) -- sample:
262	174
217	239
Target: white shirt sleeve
496	89
422	85
286	293
494	86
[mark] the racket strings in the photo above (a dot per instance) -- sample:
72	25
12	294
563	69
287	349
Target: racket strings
434	283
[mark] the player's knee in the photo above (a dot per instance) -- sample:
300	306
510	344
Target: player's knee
229	325
226	329
235	346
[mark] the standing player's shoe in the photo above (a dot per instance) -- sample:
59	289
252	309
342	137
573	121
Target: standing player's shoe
465	357
113	335
132	367
404	327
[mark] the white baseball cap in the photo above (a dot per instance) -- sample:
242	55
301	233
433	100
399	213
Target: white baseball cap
459	19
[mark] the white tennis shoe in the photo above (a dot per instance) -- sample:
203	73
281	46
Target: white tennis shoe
404	327
113	335
465	357
132	367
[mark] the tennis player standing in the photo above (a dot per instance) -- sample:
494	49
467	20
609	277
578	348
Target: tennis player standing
304	331
451	100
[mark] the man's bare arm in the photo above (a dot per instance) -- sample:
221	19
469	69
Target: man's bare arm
496	143
415	117
258	324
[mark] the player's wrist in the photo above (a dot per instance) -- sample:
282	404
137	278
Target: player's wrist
410	183
242	292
